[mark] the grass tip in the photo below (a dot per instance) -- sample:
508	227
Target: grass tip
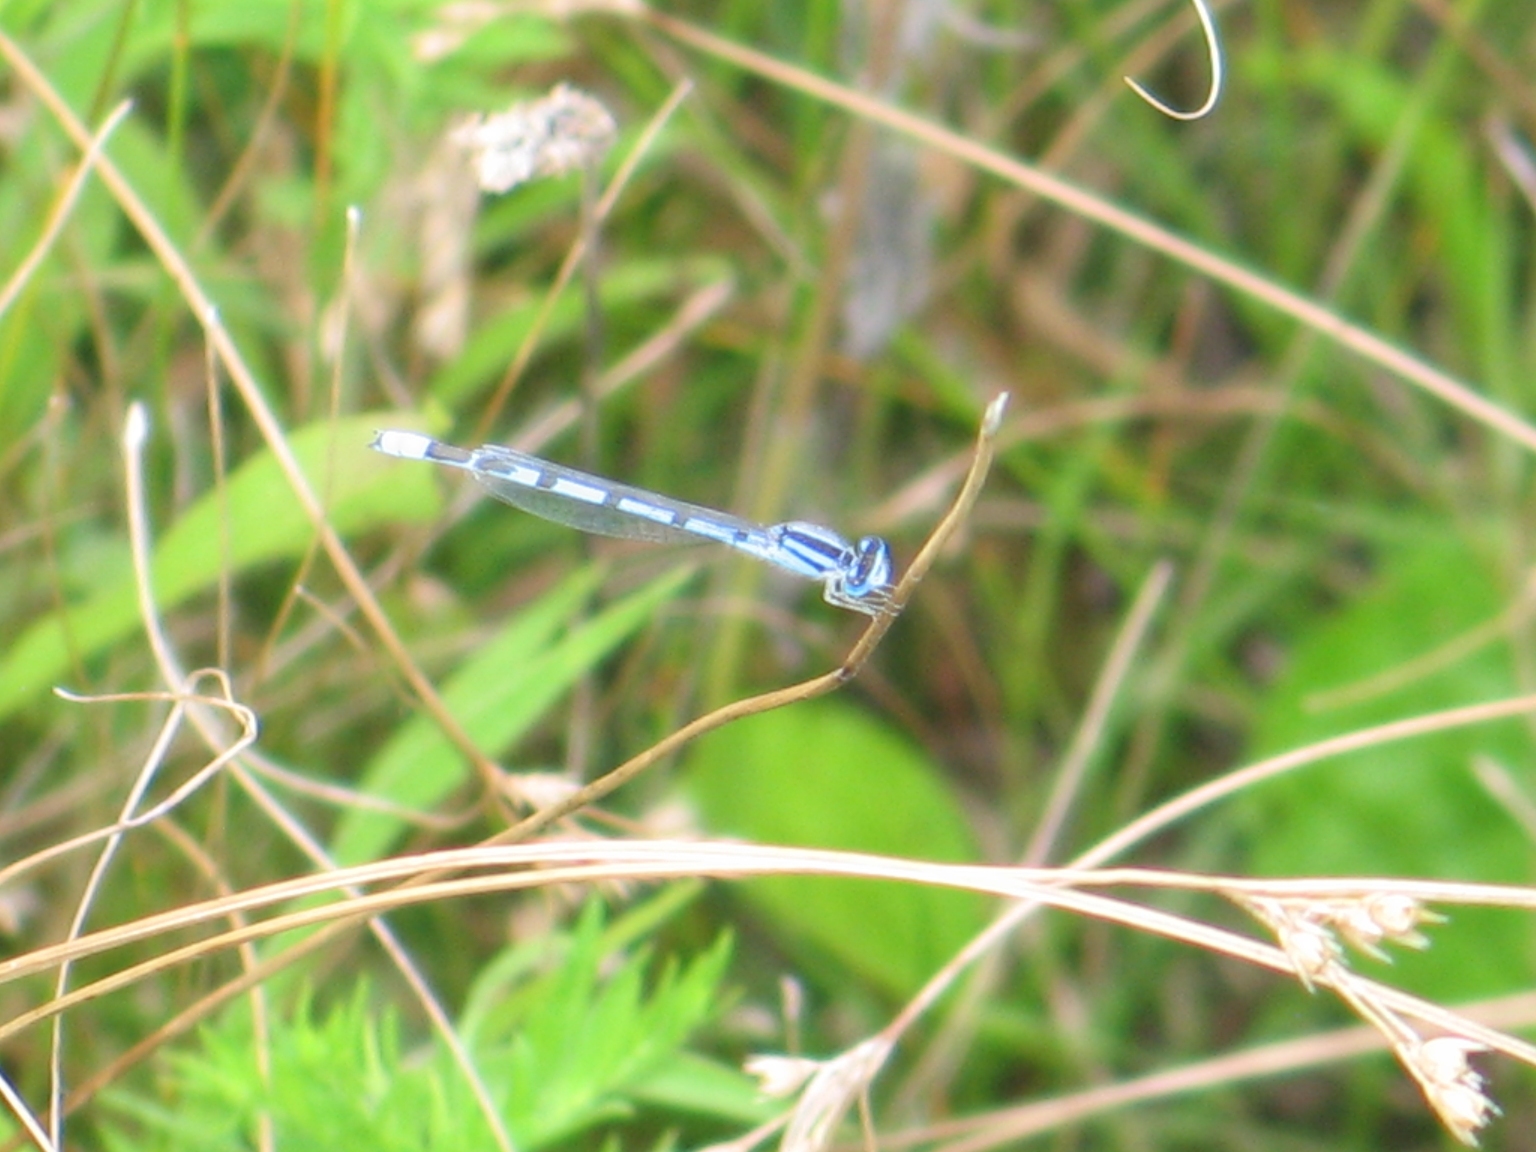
136	426
993	418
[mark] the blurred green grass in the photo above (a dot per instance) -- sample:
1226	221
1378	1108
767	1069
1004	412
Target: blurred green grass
1343	522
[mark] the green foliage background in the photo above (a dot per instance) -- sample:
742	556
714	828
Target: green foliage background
1349	550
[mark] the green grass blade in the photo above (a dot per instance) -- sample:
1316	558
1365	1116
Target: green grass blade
497	696
261	520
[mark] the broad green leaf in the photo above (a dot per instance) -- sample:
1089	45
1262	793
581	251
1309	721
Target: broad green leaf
826	776
1413	807
258	517
496	696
